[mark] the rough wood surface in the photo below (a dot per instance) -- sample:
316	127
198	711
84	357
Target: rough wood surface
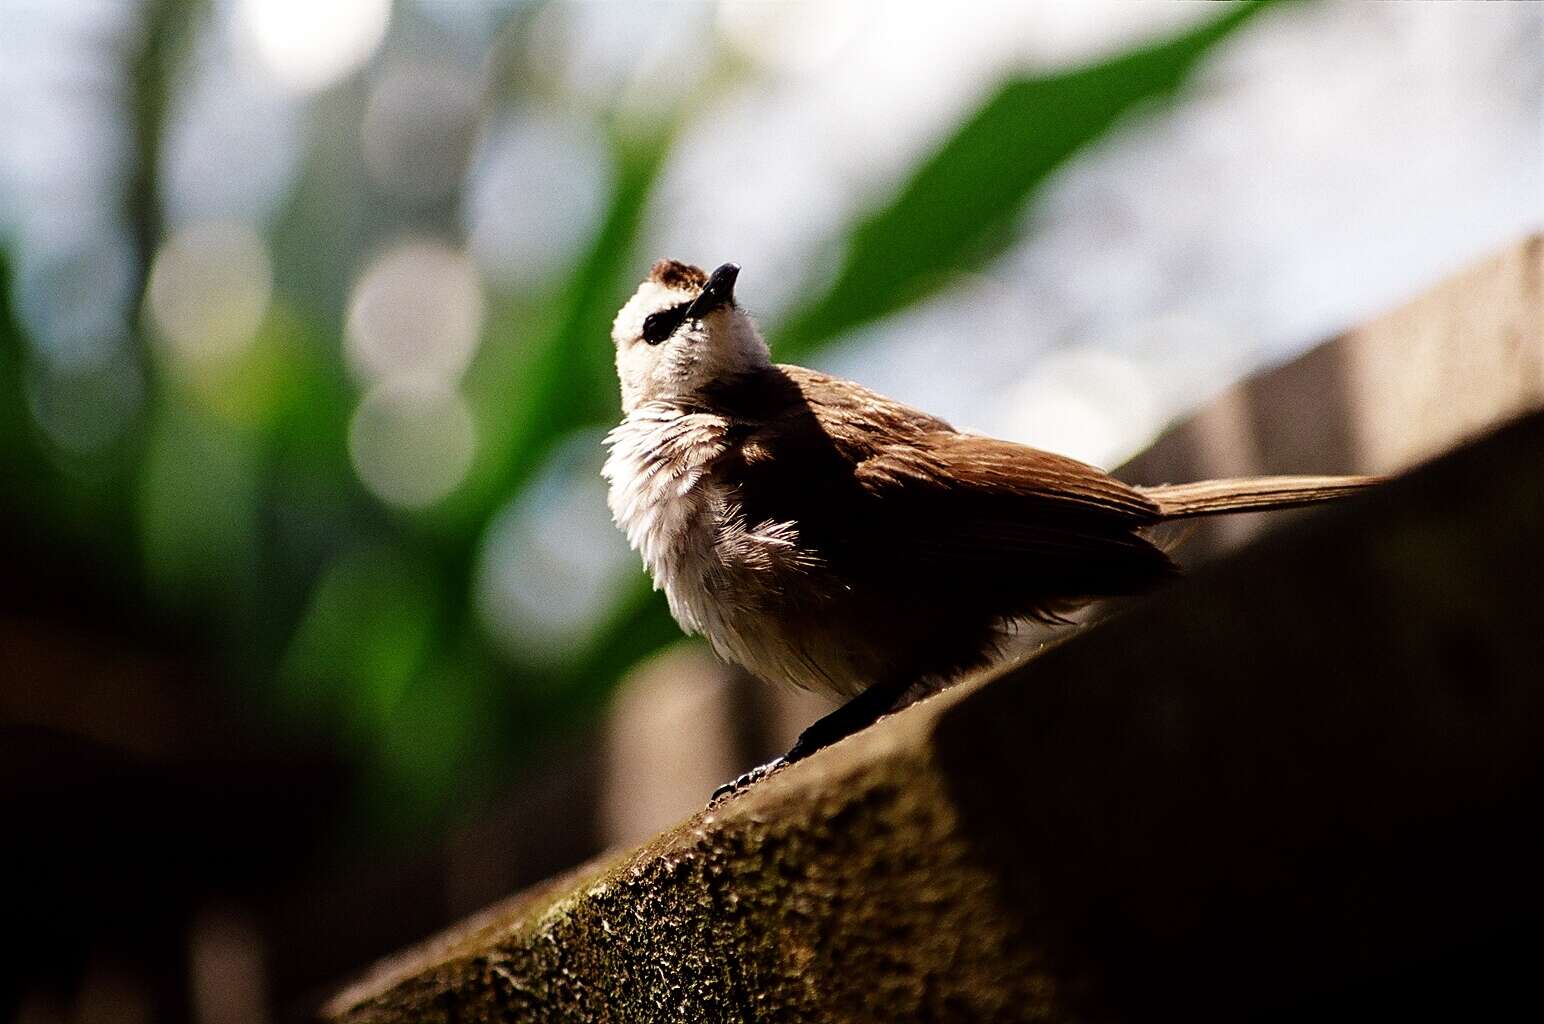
841	891
1302	784
1316	763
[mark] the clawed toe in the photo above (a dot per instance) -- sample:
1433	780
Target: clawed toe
756	774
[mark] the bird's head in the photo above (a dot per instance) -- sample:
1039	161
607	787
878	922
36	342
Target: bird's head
682	332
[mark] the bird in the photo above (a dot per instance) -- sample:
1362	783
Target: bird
823	536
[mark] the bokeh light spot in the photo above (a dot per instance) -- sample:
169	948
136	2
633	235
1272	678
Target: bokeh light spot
417	312
553	565
307	45
537	189
73	303
418	128
412	442
85	409
792	38
210	285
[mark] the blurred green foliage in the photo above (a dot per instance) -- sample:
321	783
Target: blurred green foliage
960	204
359	621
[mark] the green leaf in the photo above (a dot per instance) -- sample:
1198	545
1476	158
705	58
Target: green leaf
958	206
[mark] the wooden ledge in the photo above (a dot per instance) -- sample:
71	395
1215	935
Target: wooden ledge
1316	763
1302	784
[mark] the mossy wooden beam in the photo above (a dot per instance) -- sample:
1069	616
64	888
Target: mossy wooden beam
1302	784
1313	764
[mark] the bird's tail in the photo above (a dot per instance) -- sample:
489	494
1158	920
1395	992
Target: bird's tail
1252	494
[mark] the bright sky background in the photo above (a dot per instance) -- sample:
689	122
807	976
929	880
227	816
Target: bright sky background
1329	161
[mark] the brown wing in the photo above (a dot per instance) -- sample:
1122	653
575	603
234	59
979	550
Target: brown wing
891	495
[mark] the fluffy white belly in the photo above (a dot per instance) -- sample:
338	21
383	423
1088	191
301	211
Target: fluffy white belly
724	578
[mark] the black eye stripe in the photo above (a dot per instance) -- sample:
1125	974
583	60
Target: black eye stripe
659	326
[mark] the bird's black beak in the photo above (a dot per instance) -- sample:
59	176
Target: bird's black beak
717	292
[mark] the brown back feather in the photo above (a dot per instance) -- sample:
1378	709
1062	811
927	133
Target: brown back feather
895	498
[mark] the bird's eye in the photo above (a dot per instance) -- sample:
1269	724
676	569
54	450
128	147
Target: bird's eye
655	329
659	326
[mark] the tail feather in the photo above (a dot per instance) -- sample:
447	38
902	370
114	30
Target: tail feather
1252	494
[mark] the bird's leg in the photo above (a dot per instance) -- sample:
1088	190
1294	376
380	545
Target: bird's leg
858	713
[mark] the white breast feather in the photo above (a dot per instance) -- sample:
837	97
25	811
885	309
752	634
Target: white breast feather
663	502
714	567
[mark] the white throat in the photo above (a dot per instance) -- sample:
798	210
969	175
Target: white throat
664	499
722	346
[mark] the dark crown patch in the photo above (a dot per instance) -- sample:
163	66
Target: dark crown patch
675	274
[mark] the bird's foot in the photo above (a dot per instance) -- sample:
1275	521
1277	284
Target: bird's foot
821	734
744	782
856	714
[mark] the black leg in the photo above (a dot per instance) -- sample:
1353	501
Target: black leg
858	713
